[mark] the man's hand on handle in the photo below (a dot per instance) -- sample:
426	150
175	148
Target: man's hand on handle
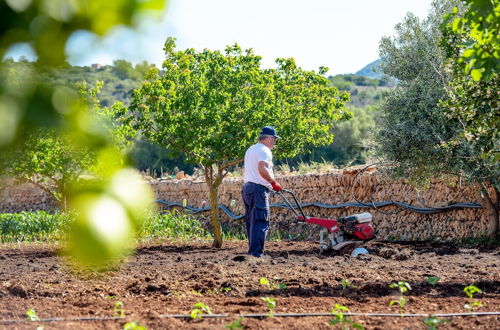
276	186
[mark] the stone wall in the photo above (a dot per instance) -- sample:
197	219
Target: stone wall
335	187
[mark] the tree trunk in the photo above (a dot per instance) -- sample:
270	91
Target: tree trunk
213	183
491	206
213	179
214	214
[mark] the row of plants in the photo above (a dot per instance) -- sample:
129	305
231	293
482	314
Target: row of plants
339	311
41	226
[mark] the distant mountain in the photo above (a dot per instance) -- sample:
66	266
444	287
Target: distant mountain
372	70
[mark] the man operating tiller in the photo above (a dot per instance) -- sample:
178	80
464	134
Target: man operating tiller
258	182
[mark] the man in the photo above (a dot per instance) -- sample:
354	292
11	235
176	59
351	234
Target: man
258	181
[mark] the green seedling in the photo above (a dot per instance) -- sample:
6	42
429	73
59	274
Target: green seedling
346	283
272	285
31	315
271	304
196	293
433	322
470	291
236	324
342	320
198	310
118	309
133	326
433	280
401	302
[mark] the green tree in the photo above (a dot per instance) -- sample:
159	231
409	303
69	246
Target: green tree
210	106
471	41
351	140
47	25
416	131
124	70
50	161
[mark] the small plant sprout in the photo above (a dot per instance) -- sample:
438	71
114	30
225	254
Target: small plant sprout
198	310
346	283
433	322
432	280
271	304
342	320
236	324
272	285
118	309
401	302
31	315
133	326
470	291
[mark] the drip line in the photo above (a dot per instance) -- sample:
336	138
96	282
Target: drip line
208	316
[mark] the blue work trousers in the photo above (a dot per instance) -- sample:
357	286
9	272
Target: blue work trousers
256	199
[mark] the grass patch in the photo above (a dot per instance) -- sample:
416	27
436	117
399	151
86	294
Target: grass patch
481	241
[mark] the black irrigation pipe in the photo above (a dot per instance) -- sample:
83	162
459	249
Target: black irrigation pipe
181	316
208	316
375	205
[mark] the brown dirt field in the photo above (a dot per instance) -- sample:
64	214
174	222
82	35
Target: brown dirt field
168	278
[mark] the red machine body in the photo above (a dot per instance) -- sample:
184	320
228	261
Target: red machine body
355	225
341	232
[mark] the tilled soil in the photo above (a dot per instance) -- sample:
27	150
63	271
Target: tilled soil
165	279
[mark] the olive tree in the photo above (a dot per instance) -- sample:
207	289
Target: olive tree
471	40
417	131
210	106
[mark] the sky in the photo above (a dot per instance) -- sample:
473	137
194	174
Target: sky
342	35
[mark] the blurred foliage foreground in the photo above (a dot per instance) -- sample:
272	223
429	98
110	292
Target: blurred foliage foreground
109	208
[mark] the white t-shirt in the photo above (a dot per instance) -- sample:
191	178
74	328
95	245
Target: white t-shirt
256	153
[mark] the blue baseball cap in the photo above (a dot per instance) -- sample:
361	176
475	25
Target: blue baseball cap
269	130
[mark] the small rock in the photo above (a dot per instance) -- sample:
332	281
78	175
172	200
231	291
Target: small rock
239	258
387	253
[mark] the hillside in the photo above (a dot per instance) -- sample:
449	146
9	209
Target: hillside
372	70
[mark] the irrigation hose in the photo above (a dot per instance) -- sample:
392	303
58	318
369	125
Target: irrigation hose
358	204
208	316
375	205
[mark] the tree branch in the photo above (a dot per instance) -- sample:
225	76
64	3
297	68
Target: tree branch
232	163
47	190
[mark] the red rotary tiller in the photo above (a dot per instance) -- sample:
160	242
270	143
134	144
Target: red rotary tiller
342	232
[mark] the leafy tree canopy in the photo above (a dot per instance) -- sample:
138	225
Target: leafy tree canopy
210	107
423	123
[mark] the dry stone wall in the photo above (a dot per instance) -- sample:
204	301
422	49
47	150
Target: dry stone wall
335	187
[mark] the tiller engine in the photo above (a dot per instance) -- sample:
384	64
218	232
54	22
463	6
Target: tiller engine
342	232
